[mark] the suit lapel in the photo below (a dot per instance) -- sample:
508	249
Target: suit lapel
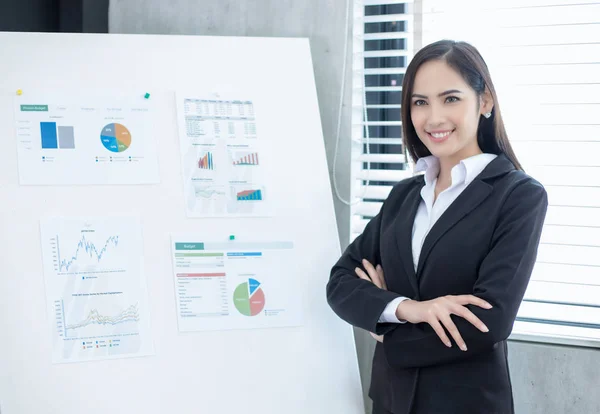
466	202
469	199
403	234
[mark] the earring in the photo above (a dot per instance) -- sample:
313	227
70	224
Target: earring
487	114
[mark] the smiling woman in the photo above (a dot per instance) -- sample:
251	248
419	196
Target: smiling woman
446	122
439	274
450	92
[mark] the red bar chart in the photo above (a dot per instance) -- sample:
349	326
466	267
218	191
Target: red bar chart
248	158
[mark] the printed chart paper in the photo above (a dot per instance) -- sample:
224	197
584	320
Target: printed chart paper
235	285
95	287
65	139
223	166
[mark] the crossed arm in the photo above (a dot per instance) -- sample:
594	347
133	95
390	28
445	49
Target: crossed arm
502	281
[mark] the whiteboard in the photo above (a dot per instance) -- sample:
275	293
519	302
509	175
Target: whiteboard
305	369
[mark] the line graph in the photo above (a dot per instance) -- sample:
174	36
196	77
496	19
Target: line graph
209	192
95	287
131	314
84	247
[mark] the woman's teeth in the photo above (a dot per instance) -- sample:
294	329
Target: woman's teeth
440	134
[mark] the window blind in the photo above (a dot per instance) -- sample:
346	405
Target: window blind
544	57
383	45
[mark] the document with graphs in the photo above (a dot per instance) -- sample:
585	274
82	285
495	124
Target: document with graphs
72	138
95	288
235	285
223	166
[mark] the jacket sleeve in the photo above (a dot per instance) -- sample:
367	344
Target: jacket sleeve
502	280
357	301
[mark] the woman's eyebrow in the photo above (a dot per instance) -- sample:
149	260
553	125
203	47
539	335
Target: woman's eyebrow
448	92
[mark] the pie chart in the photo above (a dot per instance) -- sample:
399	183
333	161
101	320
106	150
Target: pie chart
115	137
249	298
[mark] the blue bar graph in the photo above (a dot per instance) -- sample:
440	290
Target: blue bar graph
49	136
249	195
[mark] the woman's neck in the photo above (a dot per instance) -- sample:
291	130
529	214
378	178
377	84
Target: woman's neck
447	163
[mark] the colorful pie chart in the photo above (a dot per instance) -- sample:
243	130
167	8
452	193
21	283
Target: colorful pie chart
116	137
249	298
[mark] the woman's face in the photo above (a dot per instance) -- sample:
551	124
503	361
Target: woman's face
445	111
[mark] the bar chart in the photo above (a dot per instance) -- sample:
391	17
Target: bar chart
100	138
224	164
245	158
57	136
206	161
249	195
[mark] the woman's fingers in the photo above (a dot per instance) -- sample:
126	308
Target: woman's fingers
381	276
465	313
453	330
439	330
372	272
362	274
470	300
439	313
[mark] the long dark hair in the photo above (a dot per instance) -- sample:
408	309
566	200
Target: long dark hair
466	60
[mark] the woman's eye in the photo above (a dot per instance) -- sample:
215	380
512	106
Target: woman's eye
419	102
451	99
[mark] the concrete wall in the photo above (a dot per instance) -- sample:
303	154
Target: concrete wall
546	379
551	379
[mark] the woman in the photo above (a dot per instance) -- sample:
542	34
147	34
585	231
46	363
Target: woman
439	274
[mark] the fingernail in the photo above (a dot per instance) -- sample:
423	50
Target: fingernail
378	266
484	328
356	269
489	306
448	344
463	347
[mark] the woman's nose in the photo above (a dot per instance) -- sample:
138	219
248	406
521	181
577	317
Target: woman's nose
436	116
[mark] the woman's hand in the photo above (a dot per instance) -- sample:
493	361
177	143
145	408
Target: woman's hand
435	312
375	275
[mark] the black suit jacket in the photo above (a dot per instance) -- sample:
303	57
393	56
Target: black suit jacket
484	244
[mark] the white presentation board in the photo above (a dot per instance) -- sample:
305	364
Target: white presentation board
138	276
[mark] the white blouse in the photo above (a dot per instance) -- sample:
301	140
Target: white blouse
429	211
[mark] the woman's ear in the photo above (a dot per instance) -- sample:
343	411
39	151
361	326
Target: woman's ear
486	102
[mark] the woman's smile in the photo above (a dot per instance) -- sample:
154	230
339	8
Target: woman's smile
438	136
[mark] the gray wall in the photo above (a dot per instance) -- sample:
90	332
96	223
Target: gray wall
554	379
546	379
